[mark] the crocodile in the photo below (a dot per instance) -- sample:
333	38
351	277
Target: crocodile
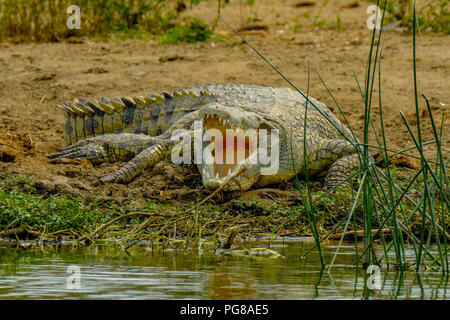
140	131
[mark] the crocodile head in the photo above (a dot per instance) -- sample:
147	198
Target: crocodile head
233	137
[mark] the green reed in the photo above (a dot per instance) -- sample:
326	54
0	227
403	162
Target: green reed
379	198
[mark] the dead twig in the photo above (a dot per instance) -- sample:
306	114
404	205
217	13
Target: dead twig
357	233
126	215
157	214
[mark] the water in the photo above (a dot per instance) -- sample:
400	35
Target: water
108	272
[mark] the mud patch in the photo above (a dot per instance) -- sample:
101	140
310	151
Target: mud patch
266	195
16	145
405	162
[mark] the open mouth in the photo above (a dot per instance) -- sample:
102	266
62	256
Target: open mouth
230	147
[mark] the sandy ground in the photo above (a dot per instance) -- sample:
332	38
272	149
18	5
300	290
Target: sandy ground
35	77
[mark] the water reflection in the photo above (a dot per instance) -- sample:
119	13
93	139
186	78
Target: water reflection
107	272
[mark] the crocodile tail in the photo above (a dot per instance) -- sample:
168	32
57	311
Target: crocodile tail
85	119
149	115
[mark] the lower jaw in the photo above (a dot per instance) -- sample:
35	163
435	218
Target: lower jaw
212	184
232	186
213	177
241	182
216	182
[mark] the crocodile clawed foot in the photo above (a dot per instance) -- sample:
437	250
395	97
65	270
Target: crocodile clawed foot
87	149
64	161
112	178
119	176
335	187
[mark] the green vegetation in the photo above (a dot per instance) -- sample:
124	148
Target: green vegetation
27	212
433	15
33	20
195	30
52	215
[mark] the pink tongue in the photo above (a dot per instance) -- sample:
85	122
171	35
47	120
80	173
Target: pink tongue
248	144
221	153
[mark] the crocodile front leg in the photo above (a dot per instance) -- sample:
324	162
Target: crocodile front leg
153	154
336	155
106	148
340	171
143	160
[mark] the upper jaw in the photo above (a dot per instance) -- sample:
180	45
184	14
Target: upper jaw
235	117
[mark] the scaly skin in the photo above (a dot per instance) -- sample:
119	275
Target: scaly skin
139	131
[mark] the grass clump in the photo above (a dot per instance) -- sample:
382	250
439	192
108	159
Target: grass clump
51	215
194	30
